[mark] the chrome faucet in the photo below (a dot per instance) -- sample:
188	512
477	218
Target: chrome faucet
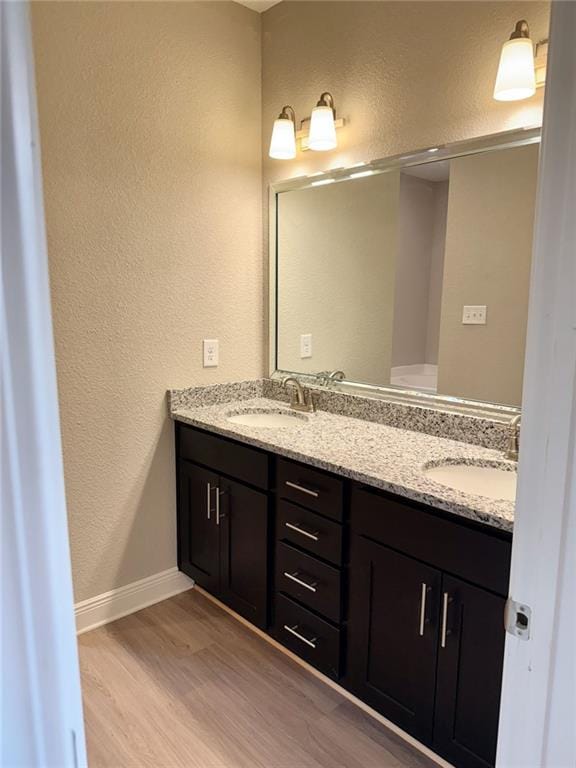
300	399
513	447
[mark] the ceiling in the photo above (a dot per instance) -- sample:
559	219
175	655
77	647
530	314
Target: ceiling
258	5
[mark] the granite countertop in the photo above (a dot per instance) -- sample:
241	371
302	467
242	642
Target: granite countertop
375	454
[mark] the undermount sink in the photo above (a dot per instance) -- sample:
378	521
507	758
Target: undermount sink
490	479
267	419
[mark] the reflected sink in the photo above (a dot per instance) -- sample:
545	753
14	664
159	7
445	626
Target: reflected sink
483	478
267	419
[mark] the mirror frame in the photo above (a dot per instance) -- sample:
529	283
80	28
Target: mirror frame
493	142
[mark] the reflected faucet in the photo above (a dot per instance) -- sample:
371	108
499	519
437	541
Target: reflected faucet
327	378
300	399
513	446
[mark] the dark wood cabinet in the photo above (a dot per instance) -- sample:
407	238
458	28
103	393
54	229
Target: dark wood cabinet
223	524
469	675
402	603
198	534
393	634
244	550
425	647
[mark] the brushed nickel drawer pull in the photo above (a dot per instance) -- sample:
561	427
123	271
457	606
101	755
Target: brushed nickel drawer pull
208	500
292	630
302	489
294	577
423	608
313	536
445	600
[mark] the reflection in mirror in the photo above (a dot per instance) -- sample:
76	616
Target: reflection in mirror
413	277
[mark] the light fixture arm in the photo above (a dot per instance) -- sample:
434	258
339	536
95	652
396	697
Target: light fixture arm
520	30
327	100
288	114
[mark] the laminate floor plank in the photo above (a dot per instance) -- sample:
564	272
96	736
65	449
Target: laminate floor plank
183	684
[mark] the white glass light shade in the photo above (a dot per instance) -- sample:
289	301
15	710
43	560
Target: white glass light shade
516	78
322	130
283	141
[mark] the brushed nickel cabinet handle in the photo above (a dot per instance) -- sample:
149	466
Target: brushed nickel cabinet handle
219	514
208	499
302	489
294	577
292	630
423	608
313	536
445	601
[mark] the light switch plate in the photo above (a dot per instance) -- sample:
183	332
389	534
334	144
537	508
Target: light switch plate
474	315
210	353
306	345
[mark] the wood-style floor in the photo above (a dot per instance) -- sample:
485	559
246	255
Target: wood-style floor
182	683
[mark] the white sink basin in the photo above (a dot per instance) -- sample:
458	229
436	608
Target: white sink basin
267	419
493	481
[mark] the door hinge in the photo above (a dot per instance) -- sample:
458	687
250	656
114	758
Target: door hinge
518	619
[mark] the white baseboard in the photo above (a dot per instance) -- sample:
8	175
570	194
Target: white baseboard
112	605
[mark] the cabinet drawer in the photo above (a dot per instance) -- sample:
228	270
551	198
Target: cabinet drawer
240	461
309	531
309	637
305	578
310	488
479	557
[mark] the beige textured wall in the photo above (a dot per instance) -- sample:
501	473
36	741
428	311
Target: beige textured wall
487	261
404	74
436	270
337	249
150	130
417	292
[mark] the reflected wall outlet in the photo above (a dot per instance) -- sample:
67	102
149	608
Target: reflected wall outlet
474	315
306	345
210	353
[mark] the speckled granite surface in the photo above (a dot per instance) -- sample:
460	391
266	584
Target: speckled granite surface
375	454
467	427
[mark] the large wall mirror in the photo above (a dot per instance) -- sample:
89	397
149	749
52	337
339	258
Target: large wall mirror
410	273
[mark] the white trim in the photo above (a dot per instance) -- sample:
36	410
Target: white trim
331	683
537	713
42	721
109	606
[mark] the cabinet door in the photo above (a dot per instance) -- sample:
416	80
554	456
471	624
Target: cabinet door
243	522
198	534
393	634
469	675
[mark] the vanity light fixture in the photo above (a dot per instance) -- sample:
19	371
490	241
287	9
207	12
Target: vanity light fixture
322	125
283	141
519	74
316	132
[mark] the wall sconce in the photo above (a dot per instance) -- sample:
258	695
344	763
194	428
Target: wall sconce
322	128
283	141
519	74
317	132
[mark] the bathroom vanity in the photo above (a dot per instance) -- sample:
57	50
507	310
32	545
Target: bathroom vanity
398	599
373	537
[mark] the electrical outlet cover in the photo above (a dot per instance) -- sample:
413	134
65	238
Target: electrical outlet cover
210	353
474	314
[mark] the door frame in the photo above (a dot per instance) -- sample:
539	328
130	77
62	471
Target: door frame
42	714
537	711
